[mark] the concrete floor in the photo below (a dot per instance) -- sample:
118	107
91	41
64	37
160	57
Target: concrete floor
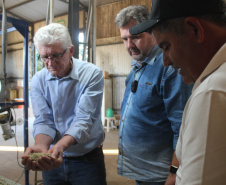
10	169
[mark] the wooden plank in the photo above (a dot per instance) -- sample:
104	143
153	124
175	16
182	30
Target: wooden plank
106	14
109	40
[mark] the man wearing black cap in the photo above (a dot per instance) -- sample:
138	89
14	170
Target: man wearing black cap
152	108
192	35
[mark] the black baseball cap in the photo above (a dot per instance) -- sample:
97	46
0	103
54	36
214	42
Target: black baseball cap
167	9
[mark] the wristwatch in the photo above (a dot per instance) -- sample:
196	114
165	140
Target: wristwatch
173	169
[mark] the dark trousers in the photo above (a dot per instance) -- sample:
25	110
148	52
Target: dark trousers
83	170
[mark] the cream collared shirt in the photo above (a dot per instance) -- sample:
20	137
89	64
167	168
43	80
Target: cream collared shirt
201	148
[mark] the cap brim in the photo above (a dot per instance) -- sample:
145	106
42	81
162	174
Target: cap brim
142	27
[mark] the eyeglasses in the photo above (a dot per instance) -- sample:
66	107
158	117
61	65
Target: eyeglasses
54	57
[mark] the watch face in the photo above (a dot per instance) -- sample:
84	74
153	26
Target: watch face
173	169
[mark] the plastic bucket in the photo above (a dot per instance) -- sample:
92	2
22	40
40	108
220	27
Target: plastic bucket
109	112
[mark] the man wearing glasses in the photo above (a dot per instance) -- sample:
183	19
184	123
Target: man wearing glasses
66	98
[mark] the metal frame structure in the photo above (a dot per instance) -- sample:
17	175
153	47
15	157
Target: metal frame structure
94	31
87	30
73	24
23	28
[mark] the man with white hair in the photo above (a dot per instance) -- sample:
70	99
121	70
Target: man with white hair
66	99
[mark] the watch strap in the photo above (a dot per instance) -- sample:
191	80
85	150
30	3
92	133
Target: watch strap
173	169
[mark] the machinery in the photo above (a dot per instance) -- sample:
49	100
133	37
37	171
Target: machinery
6	121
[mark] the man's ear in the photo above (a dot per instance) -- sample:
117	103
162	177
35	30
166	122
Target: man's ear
195	28
71	51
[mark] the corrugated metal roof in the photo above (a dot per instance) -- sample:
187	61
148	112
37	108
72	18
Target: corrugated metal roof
33	10
36	10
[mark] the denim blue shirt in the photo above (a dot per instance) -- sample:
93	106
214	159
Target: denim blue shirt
151	119
70	105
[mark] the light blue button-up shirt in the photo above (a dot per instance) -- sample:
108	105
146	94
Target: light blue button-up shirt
70	105
151	119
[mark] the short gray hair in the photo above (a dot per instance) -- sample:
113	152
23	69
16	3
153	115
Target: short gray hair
51	34
139	13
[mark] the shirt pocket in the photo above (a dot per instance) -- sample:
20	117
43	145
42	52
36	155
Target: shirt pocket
144	95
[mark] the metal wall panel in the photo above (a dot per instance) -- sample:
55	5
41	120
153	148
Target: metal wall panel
114	59
118	93
117	62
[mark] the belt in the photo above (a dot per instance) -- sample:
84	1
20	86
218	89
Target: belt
83	156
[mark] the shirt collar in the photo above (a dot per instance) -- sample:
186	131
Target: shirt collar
216	62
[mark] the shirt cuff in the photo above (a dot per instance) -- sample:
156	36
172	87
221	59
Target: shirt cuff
44	129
